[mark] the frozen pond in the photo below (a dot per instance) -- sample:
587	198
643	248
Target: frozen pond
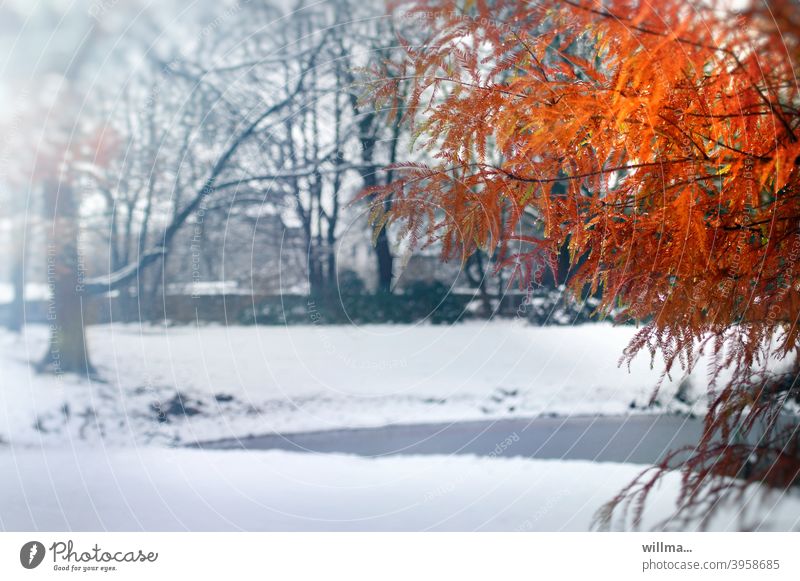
638	439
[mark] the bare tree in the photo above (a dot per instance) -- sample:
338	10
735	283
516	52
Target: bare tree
225	135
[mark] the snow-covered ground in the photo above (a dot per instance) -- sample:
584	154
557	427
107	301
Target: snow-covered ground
107	453
182	384
167	489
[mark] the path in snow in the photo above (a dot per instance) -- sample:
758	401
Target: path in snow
637	439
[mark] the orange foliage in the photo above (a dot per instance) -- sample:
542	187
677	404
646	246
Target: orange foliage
660	144
658	141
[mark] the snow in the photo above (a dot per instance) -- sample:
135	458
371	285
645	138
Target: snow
33	292
207	288
174	490
236	381
108	454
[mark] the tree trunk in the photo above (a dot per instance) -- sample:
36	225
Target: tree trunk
316	274
16	315
383	251
332	274
383	254
67	350
479	281
152	305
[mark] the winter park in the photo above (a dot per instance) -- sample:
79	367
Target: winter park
423	265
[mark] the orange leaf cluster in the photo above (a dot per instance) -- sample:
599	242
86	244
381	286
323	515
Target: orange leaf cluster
659	142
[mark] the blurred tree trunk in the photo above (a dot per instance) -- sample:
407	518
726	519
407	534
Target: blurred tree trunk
478	279
383	254
383	249
67	352
16	316
369	177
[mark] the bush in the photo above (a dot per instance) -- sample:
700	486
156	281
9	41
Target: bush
421	301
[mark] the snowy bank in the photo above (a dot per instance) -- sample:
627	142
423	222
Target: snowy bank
177	384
